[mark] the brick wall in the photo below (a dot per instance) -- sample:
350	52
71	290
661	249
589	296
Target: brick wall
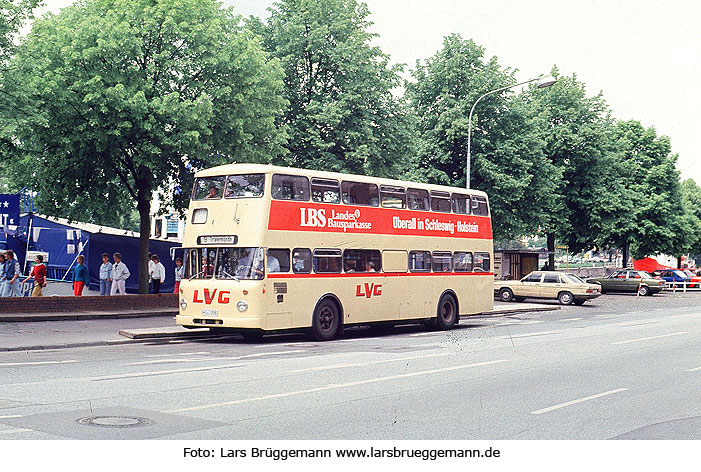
75	304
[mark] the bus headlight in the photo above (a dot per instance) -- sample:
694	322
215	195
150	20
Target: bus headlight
183	304
242	306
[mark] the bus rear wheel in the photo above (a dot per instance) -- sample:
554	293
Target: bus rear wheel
447	312
326	321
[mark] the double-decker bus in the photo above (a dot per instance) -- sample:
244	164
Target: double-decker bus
273	248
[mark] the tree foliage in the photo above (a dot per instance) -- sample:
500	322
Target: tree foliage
507	158
342	115
131	96
658	224
576	131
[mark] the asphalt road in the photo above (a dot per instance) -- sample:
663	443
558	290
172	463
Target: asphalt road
618	367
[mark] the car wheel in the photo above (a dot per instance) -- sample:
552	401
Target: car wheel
644	290
326	321
579	302
565	298
506	295
447	314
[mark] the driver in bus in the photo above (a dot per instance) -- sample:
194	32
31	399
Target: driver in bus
213	193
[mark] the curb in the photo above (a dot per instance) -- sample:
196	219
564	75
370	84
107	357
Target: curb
82	316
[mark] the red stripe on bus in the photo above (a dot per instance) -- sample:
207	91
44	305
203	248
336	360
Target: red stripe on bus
319	217
376	274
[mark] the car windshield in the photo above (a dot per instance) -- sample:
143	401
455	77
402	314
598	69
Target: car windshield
573	278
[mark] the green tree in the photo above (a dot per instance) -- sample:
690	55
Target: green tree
132	96
342	115
661	225
13	14
691	201
577	135
506	148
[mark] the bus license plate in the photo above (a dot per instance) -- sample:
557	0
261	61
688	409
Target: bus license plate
210	312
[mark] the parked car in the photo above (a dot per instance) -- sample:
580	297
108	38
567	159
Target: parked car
676	275
633	281
693	276
567	288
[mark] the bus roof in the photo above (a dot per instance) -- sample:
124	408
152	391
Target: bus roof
270	169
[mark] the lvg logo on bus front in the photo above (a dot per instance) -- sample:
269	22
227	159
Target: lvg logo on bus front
314	217
209	296
368	290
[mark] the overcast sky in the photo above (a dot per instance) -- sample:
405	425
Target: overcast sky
644	56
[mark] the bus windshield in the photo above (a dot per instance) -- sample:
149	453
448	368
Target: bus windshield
240	263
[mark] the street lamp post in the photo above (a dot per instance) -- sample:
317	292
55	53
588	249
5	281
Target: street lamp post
543	81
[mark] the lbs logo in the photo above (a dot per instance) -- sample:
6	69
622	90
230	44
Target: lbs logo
209	296
368	290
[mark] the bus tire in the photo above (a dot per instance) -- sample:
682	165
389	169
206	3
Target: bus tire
447	314
326	322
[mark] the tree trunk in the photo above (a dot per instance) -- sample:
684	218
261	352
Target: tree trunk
551	251
626	247
143	204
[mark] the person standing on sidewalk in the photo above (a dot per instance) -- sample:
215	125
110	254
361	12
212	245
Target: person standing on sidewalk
12	271
80	276
39	275
179	273
3	281
105	275
120	274
158	273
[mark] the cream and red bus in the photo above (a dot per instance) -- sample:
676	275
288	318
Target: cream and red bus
273	248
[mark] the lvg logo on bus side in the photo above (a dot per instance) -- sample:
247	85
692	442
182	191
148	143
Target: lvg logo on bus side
209	297
369	290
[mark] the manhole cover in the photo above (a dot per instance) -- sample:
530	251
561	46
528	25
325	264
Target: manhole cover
115	421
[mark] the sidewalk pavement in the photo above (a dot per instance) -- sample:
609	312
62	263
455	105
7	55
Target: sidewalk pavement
38	331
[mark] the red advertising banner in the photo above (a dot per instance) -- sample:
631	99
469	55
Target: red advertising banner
306	216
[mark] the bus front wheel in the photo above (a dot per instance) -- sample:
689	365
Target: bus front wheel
326	321
447	312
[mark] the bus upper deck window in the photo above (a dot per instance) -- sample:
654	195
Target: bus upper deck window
392	197
244	186
208	188
479	206
326	191
417	199
290	187
461	204
327	260
357	193
440	201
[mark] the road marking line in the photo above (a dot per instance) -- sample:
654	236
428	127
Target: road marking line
168	361
580	400
365	364
199	353
10	416
651	337
333	386
528	335
12	431
197	369
571	319
10	364
694	370
424	334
